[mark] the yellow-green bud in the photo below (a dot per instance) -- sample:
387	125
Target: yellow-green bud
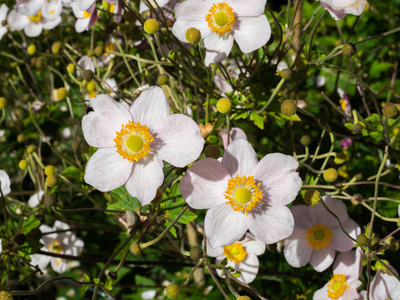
312	197
99	50
158	198
55	48
62	93
90	53
87	75
224	105
162	79
362	240
286	74
390	111
71	68
49	170
172	291
23	164
348	49
52	180
243	298
50	200
212	151
196	253
20	138
135	248
305	140
90	86
31	49
3	102
288	107
31	148
151	26
4	295
357	128
330	175
193	35
39	63
340	158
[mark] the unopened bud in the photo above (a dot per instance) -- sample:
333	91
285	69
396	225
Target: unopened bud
90	86
151	26
172	291
50	169
20	239
286	74
90	53
31	49
348	49
340	158
212	151
305	140
71	68
87	75
288	107
162	79
55	48
23	164
113	275
39	63
34	235
357	128
243	298
20	138
130	17
62	93
135	248
390	111
362	240
312	197
99	51
330	175
3	102
193	35
224	105
196	253
52	180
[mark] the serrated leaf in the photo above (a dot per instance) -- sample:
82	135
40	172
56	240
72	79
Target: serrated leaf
123	200
187	217
257	119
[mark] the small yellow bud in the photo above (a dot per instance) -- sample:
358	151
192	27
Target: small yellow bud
49	170
90	86
31	49
3	102
196	253
244	298
62	93
172	291
87	75
31	148
52	180
390	111
362	240
135	248
99	51
23	164
4	295
55	48
71	68
224	105
162	79
330	175
305	140
90	53
151	26
312	197
286	74
212	151
348	49
340	158
288	107
20	138
193	35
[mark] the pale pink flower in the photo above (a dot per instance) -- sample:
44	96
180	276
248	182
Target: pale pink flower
344	282
383	286
242	193
143	6
317	235
85	18
134	142
241	255
236	133
5	183
35	199
340	8
3	17
222	22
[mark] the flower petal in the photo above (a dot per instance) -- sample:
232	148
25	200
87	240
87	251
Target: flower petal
85	4
302	216
279	179
253	245
146	177
252	33
240	158
297	251
340	241
214	252
33	29
248	8
270	223
322	259
217	48
5	183
178	140
224	226
349	263
204	184
100	127
107	170
249	267
34	200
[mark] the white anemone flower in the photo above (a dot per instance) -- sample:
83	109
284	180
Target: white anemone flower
222	22
242	193
241	255
132	143
85	18
35	199
62	243
340	8
3	17
144	4
5	183
383	286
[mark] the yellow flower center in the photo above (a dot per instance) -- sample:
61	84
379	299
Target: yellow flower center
92	94
86	14
243	193
319	236
235	252
36	18
133	141
337	286
111	8
221	18
55	246
109	47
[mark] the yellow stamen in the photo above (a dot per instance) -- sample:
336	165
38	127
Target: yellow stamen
243	193
111	9
133	141
235	252
109	47
319	236
221	18
36	18
342	104
337	286
86	14
55	246
92	94
52	11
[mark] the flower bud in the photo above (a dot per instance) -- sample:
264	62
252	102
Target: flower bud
90	53
172	291
31	49
340	158
212	151
151	26
90	86
62	93
288	107
357	128
31	148
362	240
4	295
162	79
20	138
23	164
330	175
71	68
99	51
34	235
348	49
243	298
135	248
224	105
193	35
50	200
87	75
196	253
113	275
20	239
52	180
3	102
305	140
390	111
312	197
158	198
55	48
50	169
285	74
39	63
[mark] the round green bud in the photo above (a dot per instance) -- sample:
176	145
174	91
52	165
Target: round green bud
362	240
300	62
50	200
90	53
286	74
39	63
390	111
87	75
243	298
162	79
135	248
4	295
196	253
99	50
348	49
20	138
31	148
113	275
23	164
55	48
288	107
224	105
357	128
130	17
62	93
52	180
158	198
312	197
193	35
212	151
90	86
151	26
330	175
71	68
340	158
34	235
4	23
305	140
50	169
20	239
3	102
31	49
172	291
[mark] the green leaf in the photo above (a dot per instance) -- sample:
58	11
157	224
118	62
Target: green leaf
72	173
376	135
257	119
108	285
187	217
123	201
96	280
